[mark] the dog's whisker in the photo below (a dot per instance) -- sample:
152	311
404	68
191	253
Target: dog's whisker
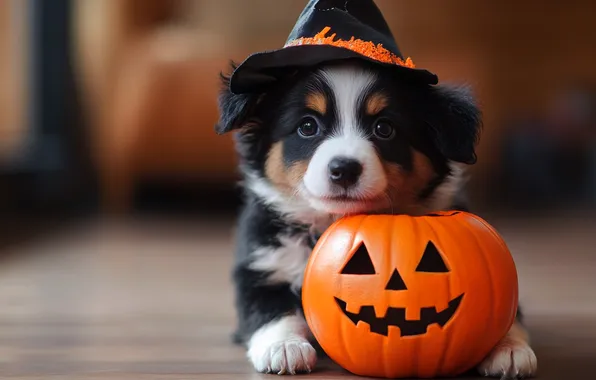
390	201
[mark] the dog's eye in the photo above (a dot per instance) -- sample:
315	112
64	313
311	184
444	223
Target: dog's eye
308	128
384	130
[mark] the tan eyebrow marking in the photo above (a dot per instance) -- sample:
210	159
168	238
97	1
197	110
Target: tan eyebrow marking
316	101
376	103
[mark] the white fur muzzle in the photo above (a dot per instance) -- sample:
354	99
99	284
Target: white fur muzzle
348	85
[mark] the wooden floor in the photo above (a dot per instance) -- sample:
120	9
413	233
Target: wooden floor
148	299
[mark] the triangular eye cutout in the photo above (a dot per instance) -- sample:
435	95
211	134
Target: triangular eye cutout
359	263
432	261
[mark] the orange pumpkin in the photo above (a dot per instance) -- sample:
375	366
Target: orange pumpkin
401	296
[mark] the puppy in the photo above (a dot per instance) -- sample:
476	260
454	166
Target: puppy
332	140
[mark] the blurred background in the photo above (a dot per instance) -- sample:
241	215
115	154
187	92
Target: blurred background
108	157
108	105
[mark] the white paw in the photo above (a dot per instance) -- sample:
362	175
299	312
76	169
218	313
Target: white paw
511	360
291	356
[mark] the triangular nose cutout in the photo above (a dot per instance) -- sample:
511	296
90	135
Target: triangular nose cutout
396	282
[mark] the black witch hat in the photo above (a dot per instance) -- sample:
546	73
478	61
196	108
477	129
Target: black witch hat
328	30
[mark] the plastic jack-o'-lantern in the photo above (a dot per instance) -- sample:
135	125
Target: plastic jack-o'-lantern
401	296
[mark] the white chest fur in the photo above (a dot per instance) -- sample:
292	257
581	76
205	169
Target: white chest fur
286	263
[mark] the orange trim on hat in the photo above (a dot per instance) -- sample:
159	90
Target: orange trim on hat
366	48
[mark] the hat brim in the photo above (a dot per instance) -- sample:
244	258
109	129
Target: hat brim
263	69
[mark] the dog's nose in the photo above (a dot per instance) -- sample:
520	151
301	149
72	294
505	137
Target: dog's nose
344	171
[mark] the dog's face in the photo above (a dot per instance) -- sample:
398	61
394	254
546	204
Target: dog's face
340	141
349	138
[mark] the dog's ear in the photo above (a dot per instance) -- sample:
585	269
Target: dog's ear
235	110
456	123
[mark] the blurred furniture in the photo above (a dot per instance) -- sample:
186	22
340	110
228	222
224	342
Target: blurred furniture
44	160
150	85
13	60
150	70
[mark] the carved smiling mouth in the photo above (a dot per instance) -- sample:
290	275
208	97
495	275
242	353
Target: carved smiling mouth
396	316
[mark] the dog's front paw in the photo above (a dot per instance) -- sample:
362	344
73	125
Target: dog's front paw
291	356
510	360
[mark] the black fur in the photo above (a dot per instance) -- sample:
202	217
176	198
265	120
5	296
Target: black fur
235	110
455	126
258	301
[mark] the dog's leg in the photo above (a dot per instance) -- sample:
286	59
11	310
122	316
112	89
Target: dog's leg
512	358
276	334
281	347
